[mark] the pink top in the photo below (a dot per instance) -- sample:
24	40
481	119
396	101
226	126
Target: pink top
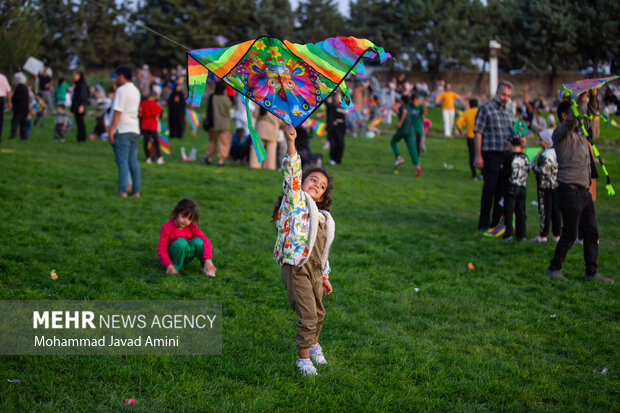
170	233
4	86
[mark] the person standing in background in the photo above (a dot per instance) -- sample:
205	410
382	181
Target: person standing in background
465	124
60	92
78	103
492	129
125	131
5	99
447	98
46	86
176	111
21	107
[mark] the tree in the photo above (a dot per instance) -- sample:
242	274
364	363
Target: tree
597	31
275	18
191	25
20	34
59	33
543	35
103	40
317	20
379	22
437	33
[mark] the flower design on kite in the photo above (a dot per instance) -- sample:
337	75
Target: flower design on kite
273	51
280	85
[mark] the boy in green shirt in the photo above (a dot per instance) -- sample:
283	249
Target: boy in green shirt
406	130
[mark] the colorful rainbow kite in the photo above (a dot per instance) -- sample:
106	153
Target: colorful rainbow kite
499	230
289	80
164	143
578	87
193	119
317	126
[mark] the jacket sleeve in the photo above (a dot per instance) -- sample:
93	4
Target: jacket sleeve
162	247
564	128
206	244
326	268
291	185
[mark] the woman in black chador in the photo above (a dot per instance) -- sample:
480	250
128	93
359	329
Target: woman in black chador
176	112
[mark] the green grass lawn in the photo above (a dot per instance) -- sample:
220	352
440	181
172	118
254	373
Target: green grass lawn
409	327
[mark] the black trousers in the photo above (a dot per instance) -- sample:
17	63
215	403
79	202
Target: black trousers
492	189
81	127
38	117
472	156
577	211
549	213
152	137
514	202
59	133
336	144
19	120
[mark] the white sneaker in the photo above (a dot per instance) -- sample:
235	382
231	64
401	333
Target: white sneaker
317	355
399	162
148	160
332	162
556	238
539	239
160	160
306	368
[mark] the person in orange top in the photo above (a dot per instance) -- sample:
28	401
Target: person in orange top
447	98
467	120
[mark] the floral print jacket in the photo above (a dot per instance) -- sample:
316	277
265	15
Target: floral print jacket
298	219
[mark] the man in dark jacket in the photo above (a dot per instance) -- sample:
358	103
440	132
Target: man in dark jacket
19	102
575	200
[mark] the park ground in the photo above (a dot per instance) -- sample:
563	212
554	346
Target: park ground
409	326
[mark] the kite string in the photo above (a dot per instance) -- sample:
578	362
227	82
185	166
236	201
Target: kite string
159	34
147	28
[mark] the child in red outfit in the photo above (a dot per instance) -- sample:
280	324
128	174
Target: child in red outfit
149	112
180	240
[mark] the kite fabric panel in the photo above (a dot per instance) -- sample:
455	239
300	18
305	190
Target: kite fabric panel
289	80
578	87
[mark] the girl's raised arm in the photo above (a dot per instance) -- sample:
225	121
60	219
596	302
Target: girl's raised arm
291	135
291	171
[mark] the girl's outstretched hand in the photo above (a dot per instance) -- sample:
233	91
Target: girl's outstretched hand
327	287
171	270
209	268
291	133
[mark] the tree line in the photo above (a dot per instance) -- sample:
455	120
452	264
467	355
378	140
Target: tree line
540	36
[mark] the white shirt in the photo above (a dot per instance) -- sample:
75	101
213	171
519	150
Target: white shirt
127	101
4	86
